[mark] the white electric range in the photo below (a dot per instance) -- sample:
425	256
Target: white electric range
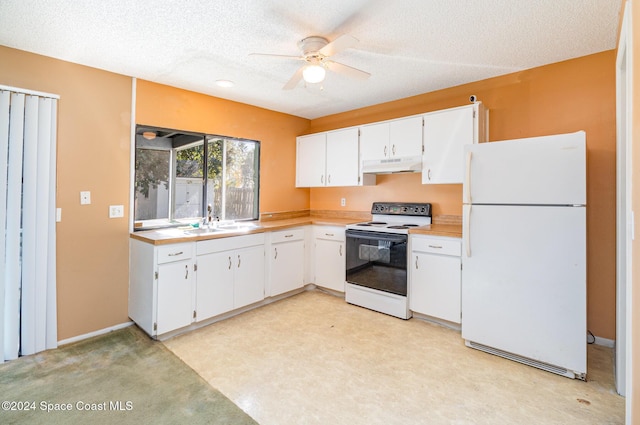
377	261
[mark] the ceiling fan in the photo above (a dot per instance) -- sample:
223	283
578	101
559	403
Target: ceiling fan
316	52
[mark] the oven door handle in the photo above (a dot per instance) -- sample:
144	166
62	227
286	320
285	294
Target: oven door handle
376	236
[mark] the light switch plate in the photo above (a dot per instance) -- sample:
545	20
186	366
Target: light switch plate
85	198
116	211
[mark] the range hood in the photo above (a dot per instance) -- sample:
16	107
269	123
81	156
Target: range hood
407	164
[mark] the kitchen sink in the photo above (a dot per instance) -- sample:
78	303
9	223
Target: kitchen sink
201	231
237	226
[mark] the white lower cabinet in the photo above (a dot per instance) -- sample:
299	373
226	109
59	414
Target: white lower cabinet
175	295
286	261
161	286
214	285
230	274
435	277
329	257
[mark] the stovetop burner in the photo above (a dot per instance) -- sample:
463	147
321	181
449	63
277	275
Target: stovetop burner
396	217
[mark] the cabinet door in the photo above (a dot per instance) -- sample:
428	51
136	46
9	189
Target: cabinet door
405	137
374	141
342	157
435	286
175	285
445	134
287	267
330	264
249	276
214	285
310	160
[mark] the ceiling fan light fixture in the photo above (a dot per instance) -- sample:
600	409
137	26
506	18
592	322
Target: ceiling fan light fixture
314	73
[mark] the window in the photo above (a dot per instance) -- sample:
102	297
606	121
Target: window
178	174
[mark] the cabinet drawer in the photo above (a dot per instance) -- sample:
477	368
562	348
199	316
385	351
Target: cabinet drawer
434	245
332	233
287	235
174	252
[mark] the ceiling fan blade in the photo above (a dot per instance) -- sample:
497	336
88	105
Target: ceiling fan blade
347	70
277	56
295	79
339	44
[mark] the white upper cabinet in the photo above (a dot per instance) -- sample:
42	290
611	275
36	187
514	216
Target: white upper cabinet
392	139
328	159
405	137
445	134
311	160
342	157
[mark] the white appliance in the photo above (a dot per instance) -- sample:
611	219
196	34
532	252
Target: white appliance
524	257
376	263
410	164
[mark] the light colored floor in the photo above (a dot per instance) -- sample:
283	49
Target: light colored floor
314	359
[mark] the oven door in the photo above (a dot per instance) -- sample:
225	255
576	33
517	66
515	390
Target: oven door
377	260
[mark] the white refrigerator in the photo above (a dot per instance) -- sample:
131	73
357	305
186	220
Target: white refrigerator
524	251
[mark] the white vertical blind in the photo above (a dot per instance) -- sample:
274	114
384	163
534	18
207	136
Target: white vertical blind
12	243
51	297
4	155
28	124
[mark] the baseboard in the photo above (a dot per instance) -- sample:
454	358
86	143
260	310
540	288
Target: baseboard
605	342
95	333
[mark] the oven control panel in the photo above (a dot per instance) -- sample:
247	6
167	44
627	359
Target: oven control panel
402	208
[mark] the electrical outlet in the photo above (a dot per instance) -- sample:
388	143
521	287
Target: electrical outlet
343	202
116	211
85	198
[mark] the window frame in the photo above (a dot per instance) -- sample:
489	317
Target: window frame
205	140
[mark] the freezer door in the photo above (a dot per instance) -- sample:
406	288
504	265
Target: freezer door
524	282
548	170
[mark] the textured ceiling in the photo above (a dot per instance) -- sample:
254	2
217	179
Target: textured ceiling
409	46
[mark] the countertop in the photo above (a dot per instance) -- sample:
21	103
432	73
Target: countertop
177	235
450	230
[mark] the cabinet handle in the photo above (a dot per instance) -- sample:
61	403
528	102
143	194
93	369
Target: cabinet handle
328	234
329	179
238	260
429	174
435	246
385	151
322	178
416	262
275	257
229	262
393	150
176	253
288	236
340	250
186	272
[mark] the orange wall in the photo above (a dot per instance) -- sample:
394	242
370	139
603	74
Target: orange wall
93	154
169	107
564	97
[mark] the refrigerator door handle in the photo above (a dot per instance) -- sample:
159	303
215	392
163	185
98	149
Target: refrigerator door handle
467	229
467	180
